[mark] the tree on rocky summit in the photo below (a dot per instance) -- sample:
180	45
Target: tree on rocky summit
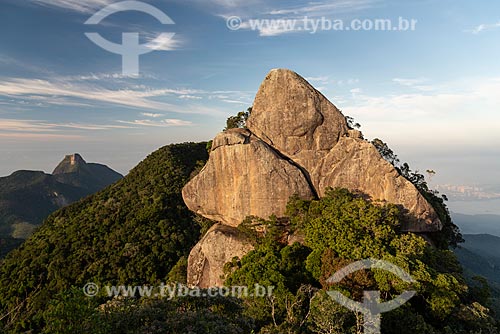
239	121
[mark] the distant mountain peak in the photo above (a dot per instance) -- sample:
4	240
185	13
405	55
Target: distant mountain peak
70	164
28	197
76	158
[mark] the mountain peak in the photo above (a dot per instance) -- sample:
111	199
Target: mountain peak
75	158
71	163
296	142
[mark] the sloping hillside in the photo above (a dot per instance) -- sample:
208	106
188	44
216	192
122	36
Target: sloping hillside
134	231
28	197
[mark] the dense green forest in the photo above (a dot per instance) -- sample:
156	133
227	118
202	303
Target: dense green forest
339	229
132	232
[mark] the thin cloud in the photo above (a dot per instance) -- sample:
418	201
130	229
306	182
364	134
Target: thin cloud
355	91
320	79
409	82
152	115
25	65
11	126
437	117
249	8
58	90
163	42
280	17
235	102
109	77
277	30
484	27
225	5
326	7
84	7
39	136
160	123
190	97
347	82
416	83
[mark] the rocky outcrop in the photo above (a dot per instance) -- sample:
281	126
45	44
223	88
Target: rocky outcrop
207	259
244	177
70	164
296	119
297	143
356	164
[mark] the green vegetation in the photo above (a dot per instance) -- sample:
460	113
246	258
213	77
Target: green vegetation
73	313
133	232
340	229
238	121
351	123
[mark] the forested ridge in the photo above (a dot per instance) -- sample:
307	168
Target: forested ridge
133	232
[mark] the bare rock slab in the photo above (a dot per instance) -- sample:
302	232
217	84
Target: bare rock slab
295	118
244	176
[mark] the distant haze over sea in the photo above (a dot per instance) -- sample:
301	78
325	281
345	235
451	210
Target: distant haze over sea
475	207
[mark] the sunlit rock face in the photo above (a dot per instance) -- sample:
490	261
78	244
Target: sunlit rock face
296	143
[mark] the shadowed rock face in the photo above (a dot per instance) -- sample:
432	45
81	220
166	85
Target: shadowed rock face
207	259
297	143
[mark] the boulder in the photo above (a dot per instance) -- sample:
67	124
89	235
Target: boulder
296	143
244	176
293	117
207	259
356	164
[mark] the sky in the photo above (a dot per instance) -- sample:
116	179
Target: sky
431	93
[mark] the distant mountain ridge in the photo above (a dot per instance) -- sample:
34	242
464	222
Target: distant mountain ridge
92	176
28	197
478	224
480	256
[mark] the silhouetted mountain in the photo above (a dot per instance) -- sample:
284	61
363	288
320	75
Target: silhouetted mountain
75	171
28	197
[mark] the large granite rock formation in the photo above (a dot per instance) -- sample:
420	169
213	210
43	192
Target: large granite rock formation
297	143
